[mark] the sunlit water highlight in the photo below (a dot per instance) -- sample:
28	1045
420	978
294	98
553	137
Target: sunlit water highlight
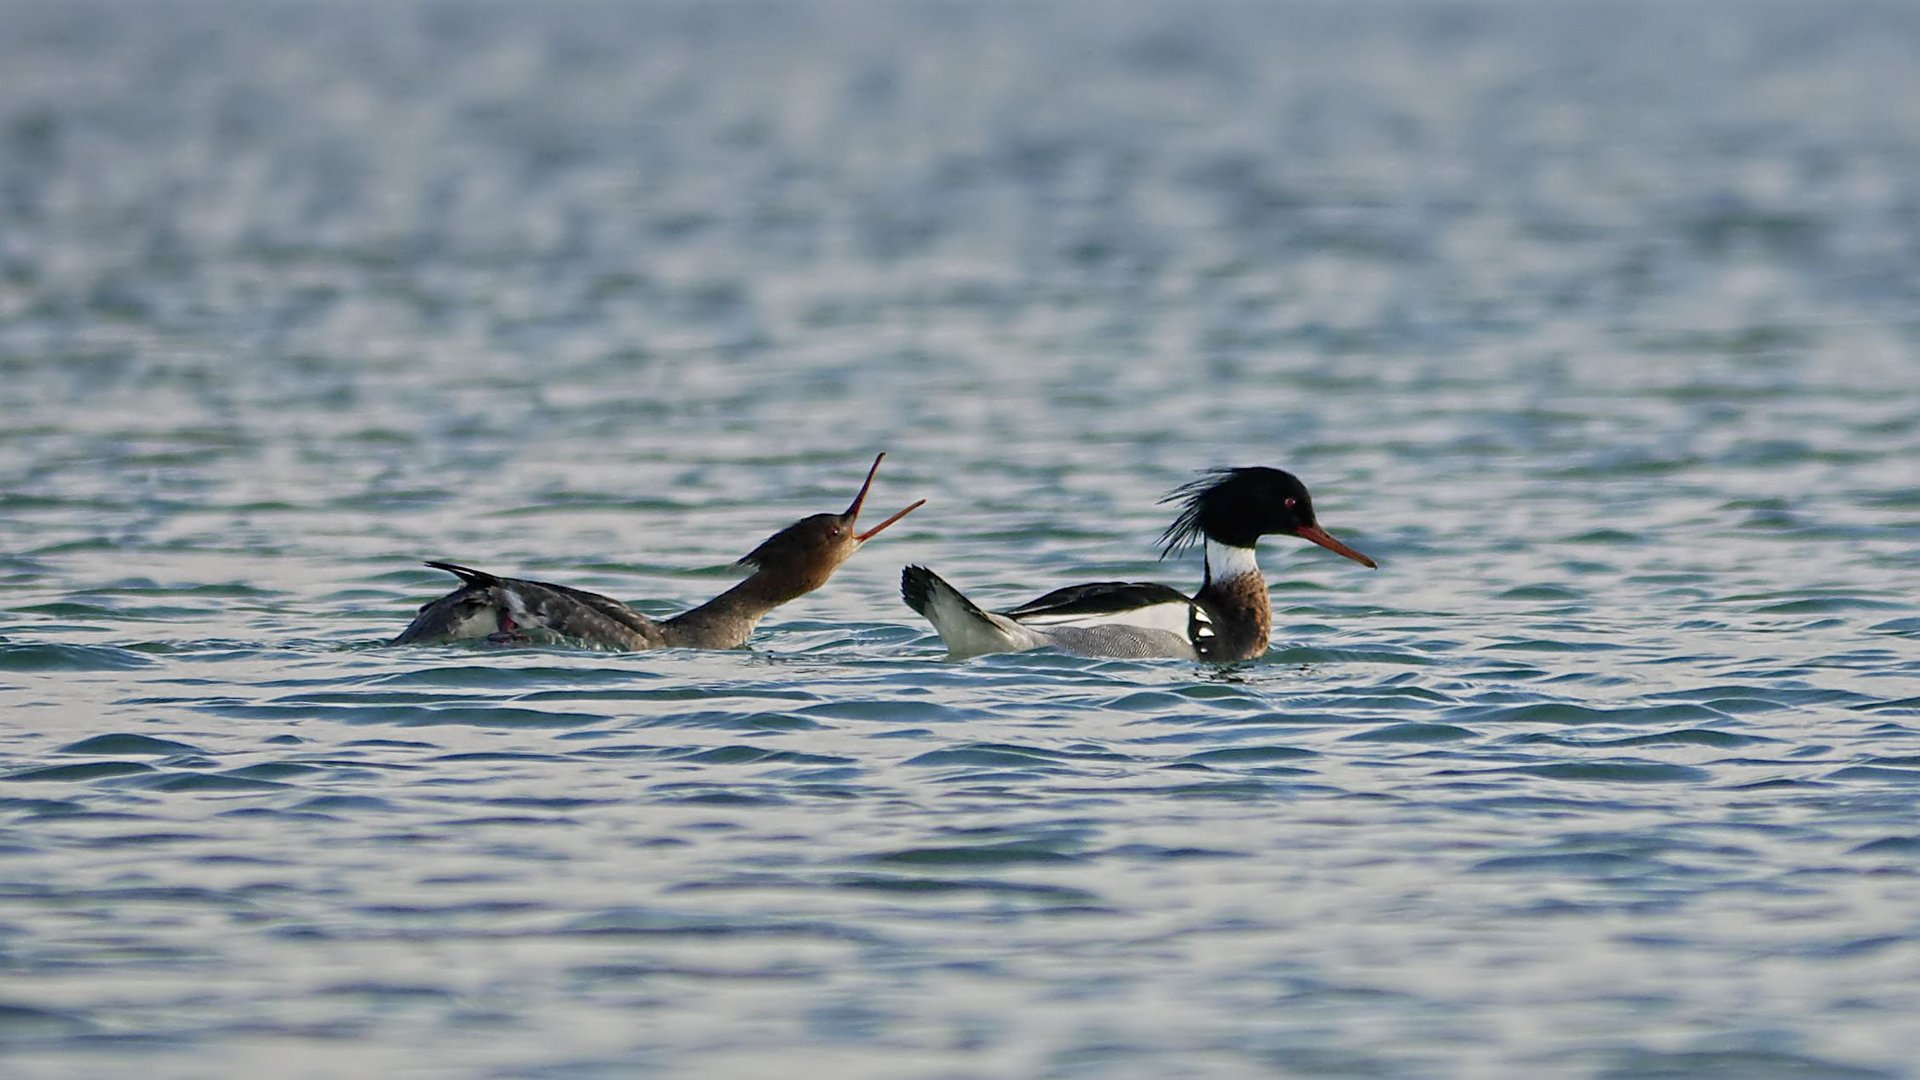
1594	323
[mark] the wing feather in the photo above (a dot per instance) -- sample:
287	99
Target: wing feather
485	604
576	613
1111	603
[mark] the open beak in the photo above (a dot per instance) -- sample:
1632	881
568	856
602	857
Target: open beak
1325	539
853	512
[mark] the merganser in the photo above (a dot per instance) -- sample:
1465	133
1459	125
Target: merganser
1226	621
791	563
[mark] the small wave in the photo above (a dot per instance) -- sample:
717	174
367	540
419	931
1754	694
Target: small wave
21	656
92	770
1565	713
1413	733
1002	854
1627	772
128	743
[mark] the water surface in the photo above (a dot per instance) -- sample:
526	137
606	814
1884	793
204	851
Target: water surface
1594	323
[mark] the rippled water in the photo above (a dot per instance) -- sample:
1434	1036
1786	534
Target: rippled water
1595	323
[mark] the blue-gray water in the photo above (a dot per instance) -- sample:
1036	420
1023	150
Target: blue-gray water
1595	323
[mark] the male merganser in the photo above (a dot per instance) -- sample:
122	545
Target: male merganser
791	563
1226	621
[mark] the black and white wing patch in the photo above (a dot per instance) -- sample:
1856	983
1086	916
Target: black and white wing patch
1116	603
1200	633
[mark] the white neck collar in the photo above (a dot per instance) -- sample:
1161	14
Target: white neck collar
1226	562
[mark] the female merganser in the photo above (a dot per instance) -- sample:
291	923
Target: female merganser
791	563
1227	620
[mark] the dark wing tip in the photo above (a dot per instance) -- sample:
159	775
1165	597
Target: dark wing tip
916	587
466	574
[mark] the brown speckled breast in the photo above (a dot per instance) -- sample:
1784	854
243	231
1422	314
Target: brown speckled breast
1242	618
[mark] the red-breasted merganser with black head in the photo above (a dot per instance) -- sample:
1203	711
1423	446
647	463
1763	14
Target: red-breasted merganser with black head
791	563
1228	620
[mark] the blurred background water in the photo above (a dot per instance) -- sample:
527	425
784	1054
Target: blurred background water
1594	322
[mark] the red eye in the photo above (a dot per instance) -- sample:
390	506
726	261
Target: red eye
1290	501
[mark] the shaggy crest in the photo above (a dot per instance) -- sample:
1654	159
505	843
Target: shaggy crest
1186	530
